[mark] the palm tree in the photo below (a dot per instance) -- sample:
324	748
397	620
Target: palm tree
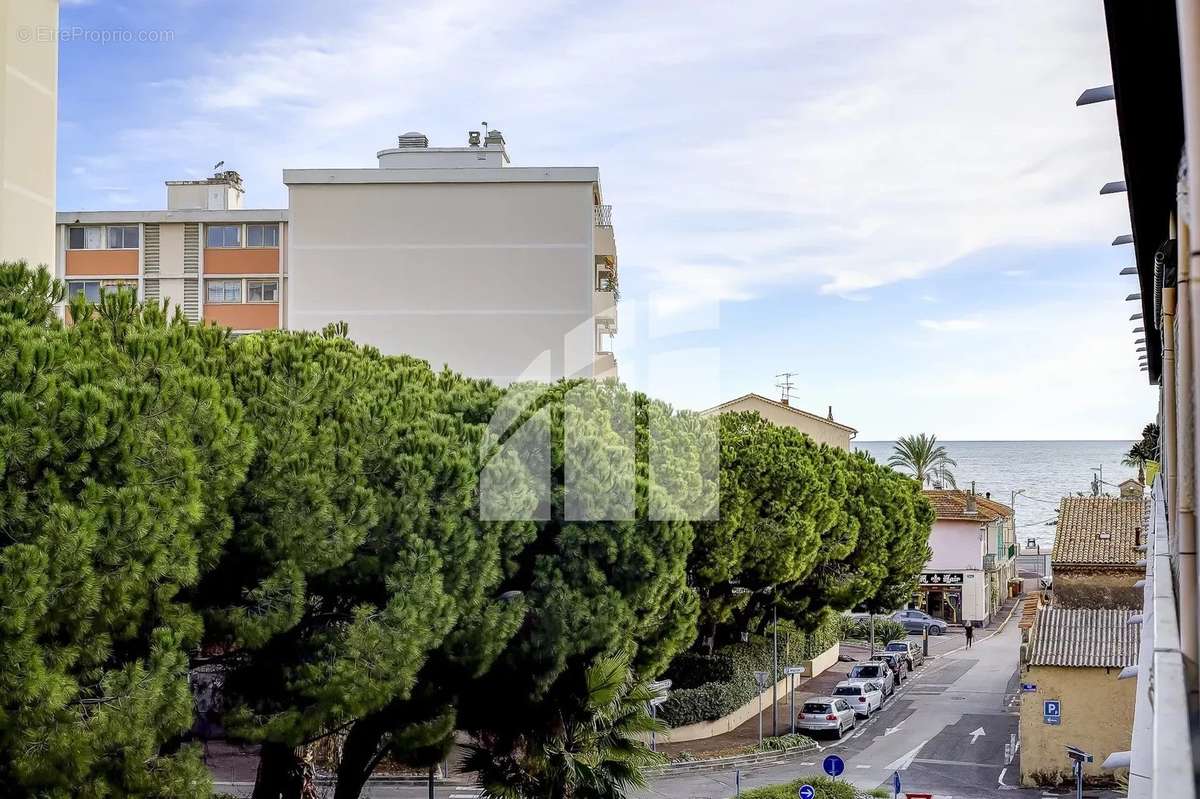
593	753
922	455
1138	456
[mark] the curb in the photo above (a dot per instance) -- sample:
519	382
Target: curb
996	631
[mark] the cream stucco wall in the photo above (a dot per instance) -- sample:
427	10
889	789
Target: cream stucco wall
1097	716
817	429
29	109
489	278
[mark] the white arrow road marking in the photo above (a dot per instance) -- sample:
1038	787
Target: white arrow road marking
904	761
975	735
891	730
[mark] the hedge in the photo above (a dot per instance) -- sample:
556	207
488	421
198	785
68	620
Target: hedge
825	788
886	630
700	695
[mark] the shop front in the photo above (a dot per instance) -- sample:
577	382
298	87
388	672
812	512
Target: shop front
955	596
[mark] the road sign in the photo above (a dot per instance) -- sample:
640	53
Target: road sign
807	791
1028	687
896	783
833	765
761	678
794	670
1052	711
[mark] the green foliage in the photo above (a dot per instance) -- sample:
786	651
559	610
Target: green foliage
780	743
118	456
886	631
825	788
693	669
927	460
595	752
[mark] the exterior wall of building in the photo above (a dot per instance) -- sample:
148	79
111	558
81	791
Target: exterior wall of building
28	122
1097	716
815	428
956	545
959	597
495	279
1089	587
171	264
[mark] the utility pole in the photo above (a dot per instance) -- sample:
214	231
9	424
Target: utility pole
775	672
871	627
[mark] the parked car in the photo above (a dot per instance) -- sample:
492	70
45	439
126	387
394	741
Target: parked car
916	621
826	714
875	671
896	663
910	649
864	697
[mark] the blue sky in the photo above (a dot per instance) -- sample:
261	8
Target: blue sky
895	200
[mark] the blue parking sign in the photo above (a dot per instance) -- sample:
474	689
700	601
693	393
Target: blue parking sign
1052	711
833	765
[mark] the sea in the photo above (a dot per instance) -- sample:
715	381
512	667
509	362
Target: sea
1045	471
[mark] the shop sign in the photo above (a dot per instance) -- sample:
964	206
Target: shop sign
942	578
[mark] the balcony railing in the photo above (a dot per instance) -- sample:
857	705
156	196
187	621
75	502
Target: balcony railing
603	215
989	562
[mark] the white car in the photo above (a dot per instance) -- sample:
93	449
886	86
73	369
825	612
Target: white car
864	697
876	671
826	714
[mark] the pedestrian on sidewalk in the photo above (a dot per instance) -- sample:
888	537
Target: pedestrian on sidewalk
970	633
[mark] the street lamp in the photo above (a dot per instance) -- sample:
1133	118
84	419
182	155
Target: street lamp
660	690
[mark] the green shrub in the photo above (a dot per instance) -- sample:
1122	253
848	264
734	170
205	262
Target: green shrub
825	789
779	743
886	630
694	669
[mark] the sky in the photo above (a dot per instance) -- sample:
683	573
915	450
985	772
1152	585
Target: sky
895	201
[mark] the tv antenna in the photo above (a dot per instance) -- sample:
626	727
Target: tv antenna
217	166
783	382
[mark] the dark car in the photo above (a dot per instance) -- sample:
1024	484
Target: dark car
896	662
916	621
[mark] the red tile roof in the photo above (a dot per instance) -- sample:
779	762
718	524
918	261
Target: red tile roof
951	505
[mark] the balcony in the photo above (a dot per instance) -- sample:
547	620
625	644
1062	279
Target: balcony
605	366
605	242
604	307
989	562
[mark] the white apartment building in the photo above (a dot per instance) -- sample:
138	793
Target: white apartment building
451	255
206	253
28	120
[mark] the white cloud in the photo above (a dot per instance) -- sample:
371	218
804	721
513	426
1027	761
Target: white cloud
950	325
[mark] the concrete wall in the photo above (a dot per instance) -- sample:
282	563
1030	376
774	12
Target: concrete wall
1097	716
28	121
486	277
1076	587
816	429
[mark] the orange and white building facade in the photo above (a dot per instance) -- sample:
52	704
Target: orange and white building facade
205	253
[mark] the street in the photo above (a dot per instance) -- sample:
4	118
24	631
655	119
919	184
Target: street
945	732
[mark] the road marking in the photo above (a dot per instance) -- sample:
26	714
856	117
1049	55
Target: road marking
933	762
975	734
904	761
891	730
867	765
809	763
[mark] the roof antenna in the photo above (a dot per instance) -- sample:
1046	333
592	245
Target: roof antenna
217	166
783	382
481	156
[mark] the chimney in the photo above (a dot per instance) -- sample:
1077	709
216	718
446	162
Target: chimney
831	413
472	138
1137	536
784	399
494	138
971	509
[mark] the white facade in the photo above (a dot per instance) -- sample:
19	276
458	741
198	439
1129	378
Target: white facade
447	254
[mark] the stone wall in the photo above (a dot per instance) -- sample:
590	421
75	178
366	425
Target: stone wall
1075	587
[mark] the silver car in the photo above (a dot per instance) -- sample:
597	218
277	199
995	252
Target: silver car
911	651
826	714
876	671
864	697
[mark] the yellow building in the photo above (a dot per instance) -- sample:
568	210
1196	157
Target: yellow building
1072	694
28	119
821	429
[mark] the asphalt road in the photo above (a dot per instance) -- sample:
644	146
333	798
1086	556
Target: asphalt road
945	732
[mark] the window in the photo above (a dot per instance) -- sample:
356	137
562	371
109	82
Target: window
224	236
262	235
604	281
83	238
123	237
224	291
262	291
91	289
